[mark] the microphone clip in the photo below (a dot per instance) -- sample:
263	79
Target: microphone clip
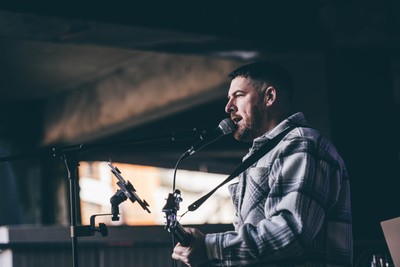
226	126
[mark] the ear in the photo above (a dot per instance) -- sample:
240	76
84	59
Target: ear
269	95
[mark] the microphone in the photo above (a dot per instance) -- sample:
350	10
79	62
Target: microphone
226	126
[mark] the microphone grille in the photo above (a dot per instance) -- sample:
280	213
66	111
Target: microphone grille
227	126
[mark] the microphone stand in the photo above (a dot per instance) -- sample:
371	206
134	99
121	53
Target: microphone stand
69	155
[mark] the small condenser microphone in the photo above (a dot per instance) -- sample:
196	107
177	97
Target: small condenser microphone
226	126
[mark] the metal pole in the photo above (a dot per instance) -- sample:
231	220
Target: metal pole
72	164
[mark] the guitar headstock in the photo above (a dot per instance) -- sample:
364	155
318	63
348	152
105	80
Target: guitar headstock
171	208
172	225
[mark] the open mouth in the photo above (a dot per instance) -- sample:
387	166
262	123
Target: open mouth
236	120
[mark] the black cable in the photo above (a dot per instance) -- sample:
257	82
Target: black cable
175	170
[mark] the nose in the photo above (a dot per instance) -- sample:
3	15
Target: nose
230	107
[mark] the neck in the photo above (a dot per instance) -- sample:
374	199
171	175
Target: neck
274	119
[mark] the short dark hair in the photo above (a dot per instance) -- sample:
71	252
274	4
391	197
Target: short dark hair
267	72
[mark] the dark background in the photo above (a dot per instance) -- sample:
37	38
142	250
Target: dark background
359	42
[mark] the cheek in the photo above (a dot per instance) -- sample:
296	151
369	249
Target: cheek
252	115
244	108
248	113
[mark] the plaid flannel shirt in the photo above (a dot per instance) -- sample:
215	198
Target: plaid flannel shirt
292	206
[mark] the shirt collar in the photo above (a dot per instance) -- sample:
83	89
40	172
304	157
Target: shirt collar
296	120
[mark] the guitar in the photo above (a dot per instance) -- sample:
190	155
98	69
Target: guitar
173	226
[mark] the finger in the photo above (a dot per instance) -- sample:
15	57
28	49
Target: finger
179	250
180	258
180	253
182	249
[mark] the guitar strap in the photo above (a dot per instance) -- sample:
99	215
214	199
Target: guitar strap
264	149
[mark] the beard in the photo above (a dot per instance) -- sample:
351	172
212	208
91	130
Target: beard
251	128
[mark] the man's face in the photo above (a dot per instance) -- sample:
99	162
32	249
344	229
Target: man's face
246	108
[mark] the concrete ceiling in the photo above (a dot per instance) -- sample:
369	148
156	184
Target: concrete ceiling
98	71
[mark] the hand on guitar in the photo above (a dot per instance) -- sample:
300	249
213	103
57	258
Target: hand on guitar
195	253
190	249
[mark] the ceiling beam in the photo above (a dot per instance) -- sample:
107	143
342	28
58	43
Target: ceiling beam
154	86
